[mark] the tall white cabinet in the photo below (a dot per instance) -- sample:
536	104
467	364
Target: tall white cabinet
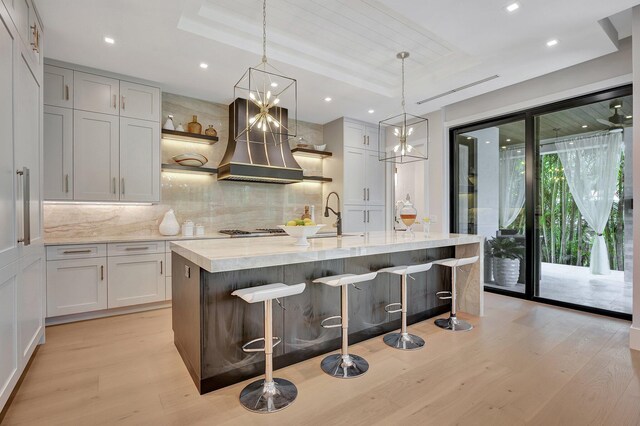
357	174
22	291
103	135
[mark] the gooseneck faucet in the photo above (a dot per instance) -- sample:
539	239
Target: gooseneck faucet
337	213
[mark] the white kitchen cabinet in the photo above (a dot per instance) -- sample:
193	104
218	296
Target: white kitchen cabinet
9	362
354	218
31	305
354	135
136	279
139	160
354	175
375	218
58	151
96	156
374	176
58	86
139	101
27	150
76	285
96	93
8	235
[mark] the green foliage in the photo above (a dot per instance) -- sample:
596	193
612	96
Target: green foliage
506	248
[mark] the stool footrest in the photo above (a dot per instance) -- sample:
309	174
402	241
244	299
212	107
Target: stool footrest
335	317
245	347
390	305
444	297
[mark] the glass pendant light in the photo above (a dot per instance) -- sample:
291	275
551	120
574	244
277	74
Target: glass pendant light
269	100
406	135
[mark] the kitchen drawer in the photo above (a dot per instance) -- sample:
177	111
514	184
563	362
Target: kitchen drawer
76	251
127	249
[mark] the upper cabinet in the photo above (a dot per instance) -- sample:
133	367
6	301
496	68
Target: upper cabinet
139	101
29	29
96	93
107	147
360	135
58	86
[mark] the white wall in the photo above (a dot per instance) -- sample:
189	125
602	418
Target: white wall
634	334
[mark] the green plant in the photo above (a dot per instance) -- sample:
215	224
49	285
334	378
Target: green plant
506	248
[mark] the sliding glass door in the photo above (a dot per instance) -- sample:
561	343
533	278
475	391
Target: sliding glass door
550	191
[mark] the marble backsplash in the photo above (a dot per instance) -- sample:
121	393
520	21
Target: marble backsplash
198	197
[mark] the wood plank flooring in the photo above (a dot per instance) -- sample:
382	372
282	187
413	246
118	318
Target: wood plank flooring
524	363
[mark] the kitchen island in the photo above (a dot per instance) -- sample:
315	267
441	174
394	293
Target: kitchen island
210	325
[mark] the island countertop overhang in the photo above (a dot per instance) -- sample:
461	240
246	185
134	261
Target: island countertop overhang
247	253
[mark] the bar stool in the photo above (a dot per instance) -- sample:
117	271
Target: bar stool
403	340
344	365
453	323
268	395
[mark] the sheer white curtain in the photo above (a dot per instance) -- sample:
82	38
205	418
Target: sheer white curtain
591	166
511	184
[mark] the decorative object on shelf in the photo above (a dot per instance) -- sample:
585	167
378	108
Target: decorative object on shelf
180	128
210	131
169	224
407	213
306	214
301	232
194	126
320	147
199	230
187	229
411	133
426	225
272	100
168	125
506	254
301	142
190	159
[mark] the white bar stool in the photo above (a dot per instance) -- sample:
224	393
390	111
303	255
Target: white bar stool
268	395
453	323
403	340
344	365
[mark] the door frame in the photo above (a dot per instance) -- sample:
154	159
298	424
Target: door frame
532	273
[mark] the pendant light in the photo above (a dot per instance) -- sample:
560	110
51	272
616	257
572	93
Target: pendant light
406	135
271	100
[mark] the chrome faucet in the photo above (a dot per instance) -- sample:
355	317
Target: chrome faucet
337	213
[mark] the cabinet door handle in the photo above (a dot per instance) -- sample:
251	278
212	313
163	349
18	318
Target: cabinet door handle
364	139
122	186
101	272
66	184
123	102
367	139
35	44
364	194
26	217
136	248
66	92
161	267
367	194
364	216
76	251
368	215
114	185
114	102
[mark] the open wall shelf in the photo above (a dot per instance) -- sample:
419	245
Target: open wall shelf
306	152
188	169
189	137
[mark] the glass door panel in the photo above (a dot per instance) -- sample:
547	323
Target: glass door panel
489	197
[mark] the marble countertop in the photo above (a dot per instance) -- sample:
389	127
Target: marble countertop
245	253
59	241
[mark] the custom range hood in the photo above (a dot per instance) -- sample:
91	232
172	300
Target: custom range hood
256	155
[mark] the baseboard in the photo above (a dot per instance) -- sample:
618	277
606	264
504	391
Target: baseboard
3	411
64	319
634	338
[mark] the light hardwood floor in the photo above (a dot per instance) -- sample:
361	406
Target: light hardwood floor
524	363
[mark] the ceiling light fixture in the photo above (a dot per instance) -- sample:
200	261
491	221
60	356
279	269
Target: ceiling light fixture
584	126
487	142
504	147
513	7
403	127
371	111
204	66
327	99
272	100
629	117
508	140
552	43
469	138
109	40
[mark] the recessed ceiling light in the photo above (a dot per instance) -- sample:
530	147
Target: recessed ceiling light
504	147
552	43
618	106
518	152
109	40
629	116
513	7
488	142
508	140
204	66
327	99
371	111
274	84
584	126
570	143
469	138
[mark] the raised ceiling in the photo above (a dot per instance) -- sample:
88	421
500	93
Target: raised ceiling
344	49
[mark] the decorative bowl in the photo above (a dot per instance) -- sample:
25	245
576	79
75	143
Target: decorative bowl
301	232
190	159
320	147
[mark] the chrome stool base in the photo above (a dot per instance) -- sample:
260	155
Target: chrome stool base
346	367
453	324
406	341
263	397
